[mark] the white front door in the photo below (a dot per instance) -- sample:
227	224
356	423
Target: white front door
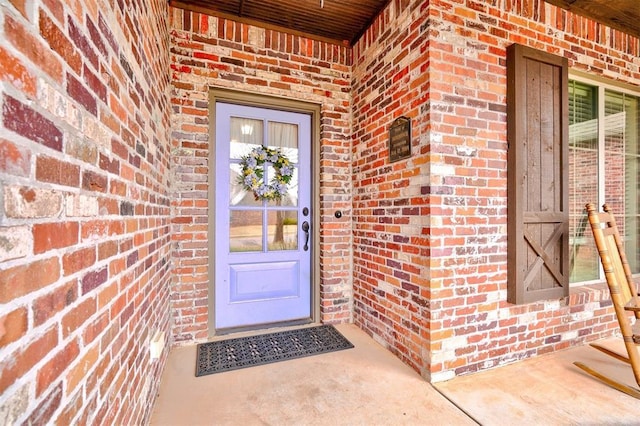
262	246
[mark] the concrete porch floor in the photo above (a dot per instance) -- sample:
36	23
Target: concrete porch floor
367	385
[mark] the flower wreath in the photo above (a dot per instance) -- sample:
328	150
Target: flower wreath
252	176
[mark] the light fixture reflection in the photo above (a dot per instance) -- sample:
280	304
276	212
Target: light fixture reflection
246	129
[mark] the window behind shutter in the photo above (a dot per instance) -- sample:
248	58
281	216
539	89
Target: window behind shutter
538	197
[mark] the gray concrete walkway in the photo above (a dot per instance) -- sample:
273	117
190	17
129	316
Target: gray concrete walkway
367	385
549	390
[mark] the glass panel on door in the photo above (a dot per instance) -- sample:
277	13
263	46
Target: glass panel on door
282	230
248	231
284	136
245	230
246	134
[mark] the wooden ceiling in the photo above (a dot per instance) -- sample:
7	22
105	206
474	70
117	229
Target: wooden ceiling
341	21
344	21
623	15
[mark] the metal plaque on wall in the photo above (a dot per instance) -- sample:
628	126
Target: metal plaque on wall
400	139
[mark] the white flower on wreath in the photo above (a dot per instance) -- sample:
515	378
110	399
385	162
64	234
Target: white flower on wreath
252	175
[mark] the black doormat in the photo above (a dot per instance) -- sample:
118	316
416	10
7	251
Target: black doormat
242	352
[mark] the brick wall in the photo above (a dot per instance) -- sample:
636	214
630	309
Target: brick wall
393	251
211	52
84	209
430	231
88	225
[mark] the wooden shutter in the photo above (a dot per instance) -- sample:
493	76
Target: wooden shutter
538	178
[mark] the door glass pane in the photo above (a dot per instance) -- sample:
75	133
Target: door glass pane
245	230
284	137
290	198
238	196
246	134
583	179
283	230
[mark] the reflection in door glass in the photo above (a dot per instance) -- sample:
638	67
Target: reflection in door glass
283	230
245	230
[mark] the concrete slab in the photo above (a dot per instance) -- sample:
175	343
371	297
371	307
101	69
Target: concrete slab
549	390
366	385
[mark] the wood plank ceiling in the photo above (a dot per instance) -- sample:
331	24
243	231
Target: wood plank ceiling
623	15
341	21
344	21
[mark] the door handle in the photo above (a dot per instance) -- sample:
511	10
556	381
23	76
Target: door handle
305	228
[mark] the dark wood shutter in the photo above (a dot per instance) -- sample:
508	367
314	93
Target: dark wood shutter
538	175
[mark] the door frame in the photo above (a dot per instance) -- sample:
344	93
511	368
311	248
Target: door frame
217	94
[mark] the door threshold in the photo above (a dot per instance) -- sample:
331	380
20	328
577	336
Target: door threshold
261	329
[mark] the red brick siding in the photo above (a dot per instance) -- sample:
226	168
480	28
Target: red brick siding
393	249
84	222
432	286
205	52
